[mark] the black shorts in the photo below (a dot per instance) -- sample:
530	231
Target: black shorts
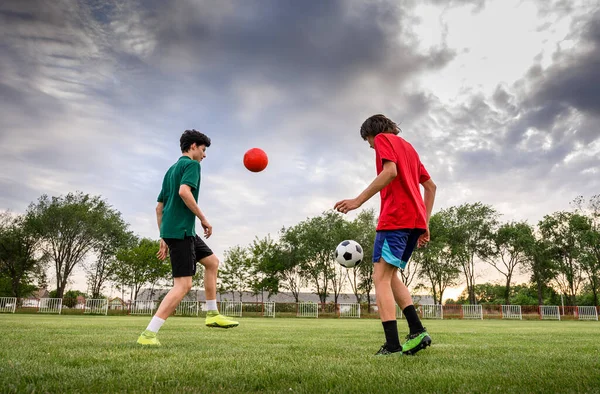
184	254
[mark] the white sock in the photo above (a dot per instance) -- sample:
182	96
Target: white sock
155	324
211	305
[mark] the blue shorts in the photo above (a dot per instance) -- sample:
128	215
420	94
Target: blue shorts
396	246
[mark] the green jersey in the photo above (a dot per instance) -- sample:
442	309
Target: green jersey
178	221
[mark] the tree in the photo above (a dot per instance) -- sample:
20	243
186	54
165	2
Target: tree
235	275
507	250
590	258
435	261
542	263
113	236
287	258
361	278
18	261
138	265
566	232
69	227
471	227
265	267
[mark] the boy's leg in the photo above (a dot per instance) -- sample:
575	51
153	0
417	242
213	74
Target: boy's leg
382	277
183	265
210	262
404	300
418	337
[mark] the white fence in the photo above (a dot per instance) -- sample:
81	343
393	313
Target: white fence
350	310
231	308
8	304
269	309
429	311
50	305
549	312
187	308
142	307
472	312
587	313
97	306
512	312
308	309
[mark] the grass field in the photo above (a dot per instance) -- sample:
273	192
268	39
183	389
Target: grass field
98	354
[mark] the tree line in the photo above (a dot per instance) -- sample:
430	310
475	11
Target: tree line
561	254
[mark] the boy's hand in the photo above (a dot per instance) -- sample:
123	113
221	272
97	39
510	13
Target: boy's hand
163	250
207	228
346	206
424	238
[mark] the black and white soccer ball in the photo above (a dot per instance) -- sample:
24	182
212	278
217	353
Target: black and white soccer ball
349	253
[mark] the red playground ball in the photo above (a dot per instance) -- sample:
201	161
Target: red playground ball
255	160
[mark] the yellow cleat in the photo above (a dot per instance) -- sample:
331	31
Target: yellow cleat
148	338
220	321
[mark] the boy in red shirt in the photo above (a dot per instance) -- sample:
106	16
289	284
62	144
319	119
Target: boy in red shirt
403	224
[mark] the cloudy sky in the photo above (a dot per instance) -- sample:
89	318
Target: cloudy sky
501	99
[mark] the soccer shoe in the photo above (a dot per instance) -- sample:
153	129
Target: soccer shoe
148	338
416	342
384	351
220	321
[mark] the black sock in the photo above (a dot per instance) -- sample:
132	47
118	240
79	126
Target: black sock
414	323
391	335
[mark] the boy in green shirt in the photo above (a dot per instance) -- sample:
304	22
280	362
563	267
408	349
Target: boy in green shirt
176	215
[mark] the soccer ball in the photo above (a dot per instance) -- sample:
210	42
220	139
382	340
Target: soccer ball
255	160
349	253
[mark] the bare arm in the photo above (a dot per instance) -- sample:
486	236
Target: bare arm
159	213
163	249
429	196
185	192
386	176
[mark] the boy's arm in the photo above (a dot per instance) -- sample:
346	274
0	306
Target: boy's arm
387	175
159	213
428	198
163	249
185	192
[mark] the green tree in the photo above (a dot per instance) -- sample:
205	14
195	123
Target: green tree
566	232
435	261
508	249
113	236
138	265
590	259
317	239
69	227
235	275
265	267
361	278
471	227
542	263
286	262
19	264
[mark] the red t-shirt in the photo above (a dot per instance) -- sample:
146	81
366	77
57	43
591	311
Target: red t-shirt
402	204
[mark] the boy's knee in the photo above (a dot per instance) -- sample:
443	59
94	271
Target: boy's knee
210	263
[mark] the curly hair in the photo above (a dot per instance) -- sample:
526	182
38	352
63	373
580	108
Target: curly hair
192	136
377	124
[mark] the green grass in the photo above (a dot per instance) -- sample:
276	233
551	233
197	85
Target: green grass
41	353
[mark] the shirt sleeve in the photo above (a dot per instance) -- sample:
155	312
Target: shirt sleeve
384	149
160	196
191	175
423	174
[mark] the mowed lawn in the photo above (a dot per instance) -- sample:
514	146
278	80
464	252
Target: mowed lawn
56	354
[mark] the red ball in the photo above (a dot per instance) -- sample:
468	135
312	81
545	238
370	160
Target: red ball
255	160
